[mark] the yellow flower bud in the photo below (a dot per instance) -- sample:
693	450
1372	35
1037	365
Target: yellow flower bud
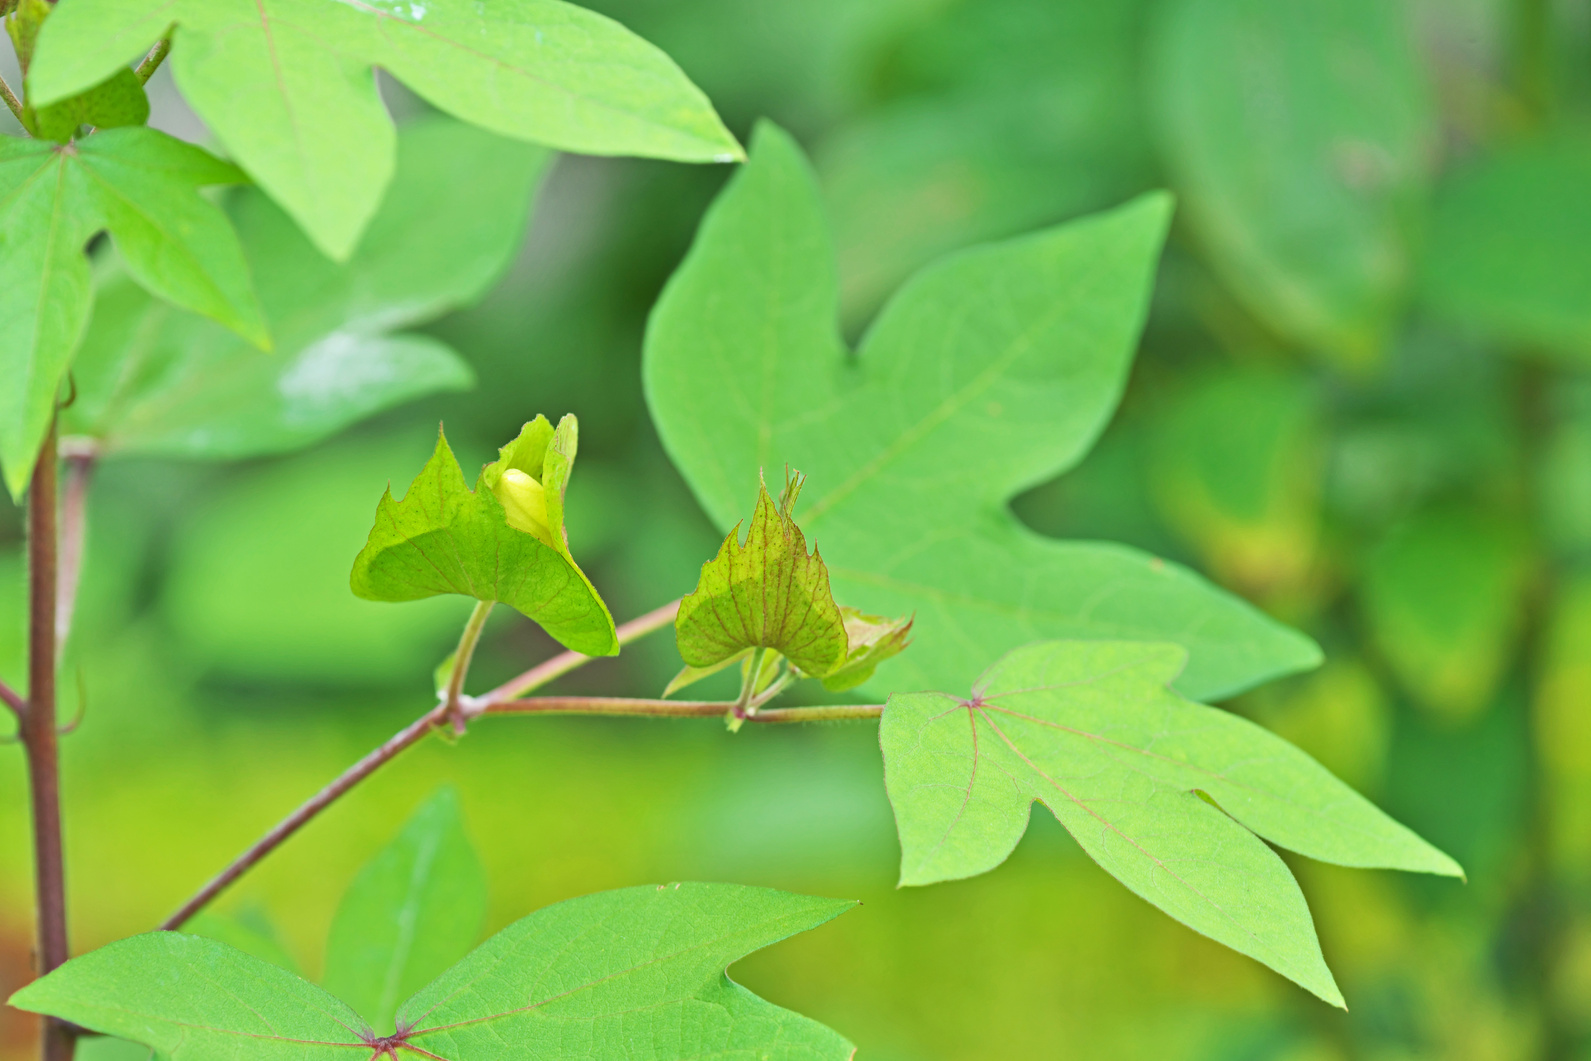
525	501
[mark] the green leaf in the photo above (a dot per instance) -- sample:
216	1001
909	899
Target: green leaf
444	537
1171	797
1300	138
603	976
144	187
766	593
870	640
250	934
117	101
153	380
990	372
1444	598
415	909
1509	251
288	89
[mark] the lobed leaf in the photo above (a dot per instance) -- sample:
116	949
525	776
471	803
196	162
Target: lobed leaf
991	371
154	380
604	976
444	537
414	910
143	186
1171	797
766	593
288	88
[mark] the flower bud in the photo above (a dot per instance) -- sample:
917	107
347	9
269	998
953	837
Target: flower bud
524	500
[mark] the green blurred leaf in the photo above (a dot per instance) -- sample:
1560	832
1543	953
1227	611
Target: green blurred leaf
1563	724
144	187
1237	469
1159	791
445	538
1510	246
989	372
287	86
154	380
1300	138
414	910
118	100
1443	597
596	977
766	593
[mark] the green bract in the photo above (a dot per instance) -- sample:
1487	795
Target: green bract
637	972
988	373
444	537
287	85
141	185
152	379
767	593
1173	798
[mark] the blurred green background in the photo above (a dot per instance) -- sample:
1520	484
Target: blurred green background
1363	401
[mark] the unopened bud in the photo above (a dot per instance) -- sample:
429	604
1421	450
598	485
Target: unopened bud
525	502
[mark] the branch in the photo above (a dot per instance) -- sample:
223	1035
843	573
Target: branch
565	662
150	63
620	705
537	676
14	701
13	103
452	700
39	737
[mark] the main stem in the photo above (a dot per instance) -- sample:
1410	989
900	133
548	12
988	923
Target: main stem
39	735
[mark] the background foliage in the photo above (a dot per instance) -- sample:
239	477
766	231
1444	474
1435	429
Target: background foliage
1364	401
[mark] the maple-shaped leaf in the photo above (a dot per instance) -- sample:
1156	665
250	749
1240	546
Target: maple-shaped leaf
1173	798
989	372
288	87
141	185
766	593
617	975
444	537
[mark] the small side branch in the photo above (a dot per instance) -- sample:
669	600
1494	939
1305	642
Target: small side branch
150	63
637	708
12	699
12	102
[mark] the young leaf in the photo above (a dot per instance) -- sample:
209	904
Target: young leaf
444	537
870	640
144	187
415	909
990	372
767	593
1300	137
287	87
154	380
609	976
1165	794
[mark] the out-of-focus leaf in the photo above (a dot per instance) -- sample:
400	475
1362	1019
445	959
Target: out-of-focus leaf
1443	599
1300	137
117	101
1509	251
766	593
445	538
596	977
1237	471
414	910
1562	719
154	380
1563	471
251	935
287	86
989	372
143	186
256	588
1159	791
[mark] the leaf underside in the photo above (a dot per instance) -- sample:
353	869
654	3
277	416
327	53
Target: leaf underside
445	538
989	372
287	85
1173	798
601	976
